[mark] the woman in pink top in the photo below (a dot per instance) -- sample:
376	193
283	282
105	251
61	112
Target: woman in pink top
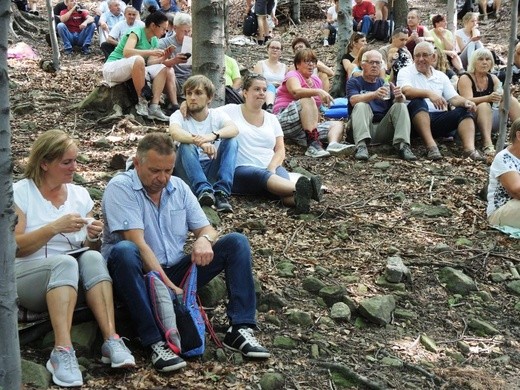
298	100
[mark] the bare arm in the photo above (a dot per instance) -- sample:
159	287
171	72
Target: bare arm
324	69
295	89
279	155
465	90
511	182
258	68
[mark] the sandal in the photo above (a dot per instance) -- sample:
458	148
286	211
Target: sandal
474	155
489	150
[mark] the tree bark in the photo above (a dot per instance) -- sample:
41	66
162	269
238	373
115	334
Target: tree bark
452	16
208	44
507	82
295	11
399	10
10	372
343	35
52	34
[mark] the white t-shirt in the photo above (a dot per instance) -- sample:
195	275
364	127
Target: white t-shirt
120	28
39	212
438	82
464	37
255	144
213	122
331	12
497	195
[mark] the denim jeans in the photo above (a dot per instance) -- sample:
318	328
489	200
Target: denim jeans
366	26
83	38
208	175
232	254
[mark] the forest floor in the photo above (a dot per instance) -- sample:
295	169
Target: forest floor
368	213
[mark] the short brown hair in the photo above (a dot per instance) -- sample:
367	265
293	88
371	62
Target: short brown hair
199	80
161	143
515	127
304	55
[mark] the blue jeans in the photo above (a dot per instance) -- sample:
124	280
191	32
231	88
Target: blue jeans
251	180
208	175
366	26
232	254
83	38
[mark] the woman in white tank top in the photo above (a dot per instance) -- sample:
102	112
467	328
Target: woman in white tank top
273	70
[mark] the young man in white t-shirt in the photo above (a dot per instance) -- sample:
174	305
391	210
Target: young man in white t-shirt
208	148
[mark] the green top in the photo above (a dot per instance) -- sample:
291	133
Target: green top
142	43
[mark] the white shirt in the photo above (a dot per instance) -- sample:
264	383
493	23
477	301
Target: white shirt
39	212
213	122
438	82
497	195
120	28
255	143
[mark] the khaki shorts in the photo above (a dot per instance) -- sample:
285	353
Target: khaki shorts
119	71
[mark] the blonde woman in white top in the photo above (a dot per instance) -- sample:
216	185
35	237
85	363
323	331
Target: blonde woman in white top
273	70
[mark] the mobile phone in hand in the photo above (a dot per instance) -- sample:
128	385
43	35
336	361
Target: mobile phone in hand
187	55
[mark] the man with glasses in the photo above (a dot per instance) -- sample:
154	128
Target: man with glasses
430	91
378	112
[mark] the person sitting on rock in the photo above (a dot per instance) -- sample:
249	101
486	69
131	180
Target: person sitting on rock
377	112
136	55
208	148
76	28
429	92
148	215
120	29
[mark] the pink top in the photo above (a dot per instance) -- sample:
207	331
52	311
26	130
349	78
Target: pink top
284	97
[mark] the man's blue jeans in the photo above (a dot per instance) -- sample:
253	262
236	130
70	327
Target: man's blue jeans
366	26
232	254
208	175
83	38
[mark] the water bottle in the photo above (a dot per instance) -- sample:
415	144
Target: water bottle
388	96
500	91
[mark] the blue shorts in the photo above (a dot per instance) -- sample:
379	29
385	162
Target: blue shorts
264	7
249	180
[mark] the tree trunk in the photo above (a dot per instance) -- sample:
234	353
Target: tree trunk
343	35
208	44
452	16
507	82
52	34
295	11
399	10
10	372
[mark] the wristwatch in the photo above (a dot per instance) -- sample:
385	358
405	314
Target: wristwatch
217	135
207	237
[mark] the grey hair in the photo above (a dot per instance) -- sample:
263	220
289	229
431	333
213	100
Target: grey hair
370	52
182	19
426	45
476	55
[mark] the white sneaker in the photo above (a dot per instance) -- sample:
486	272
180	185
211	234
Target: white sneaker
315	150
142	108
325	42
155	112
337	149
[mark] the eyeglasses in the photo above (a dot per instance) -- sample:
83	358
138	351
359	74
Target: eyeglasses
422	55
373	63
311	62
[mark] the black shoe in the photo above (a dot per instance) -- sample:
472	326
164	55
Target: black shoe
242	339
222	203
164	359
302	196
406	153
361	153
317	193
206	198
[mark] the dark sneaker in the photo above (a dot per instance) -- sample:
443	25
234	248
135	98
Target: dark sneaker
243	340
222	203
206	198
434	154
64	367
317	193
86	50
361	152
302	196
406	153
115	353
315	150
164	359
68	52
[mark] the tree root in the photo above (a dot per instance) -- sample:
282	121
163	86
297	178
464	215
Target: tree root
344	370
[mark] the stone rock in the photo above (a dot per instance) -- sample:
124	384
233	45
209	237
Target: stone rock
463	347
264	252
428	343
284	342
442	247
272	319
82	158
285	269
383	282
312	284
78	179
399	196
102	143
463	241
392	362
485	296
35	375
456	281
514	287
212	215
253	225
392	250
301	318
482	328
378	309
272	301
498	277
351	279
404	314
315	351
83	336
118	161
332	294
213	292
237	358
503	359
456	355
272	381
220	355
321	270
340	312
429	211
383	165
396	271
95	193
460	180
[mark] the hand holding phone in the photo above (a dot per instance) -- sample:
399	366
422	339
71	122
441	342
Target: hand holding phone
187	55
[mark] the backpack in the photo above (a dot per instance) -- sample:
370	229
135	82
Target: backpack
250	26
380	30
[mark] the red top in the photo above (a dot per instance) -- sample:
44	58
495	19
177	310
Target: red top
420	32
361	9
75	20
